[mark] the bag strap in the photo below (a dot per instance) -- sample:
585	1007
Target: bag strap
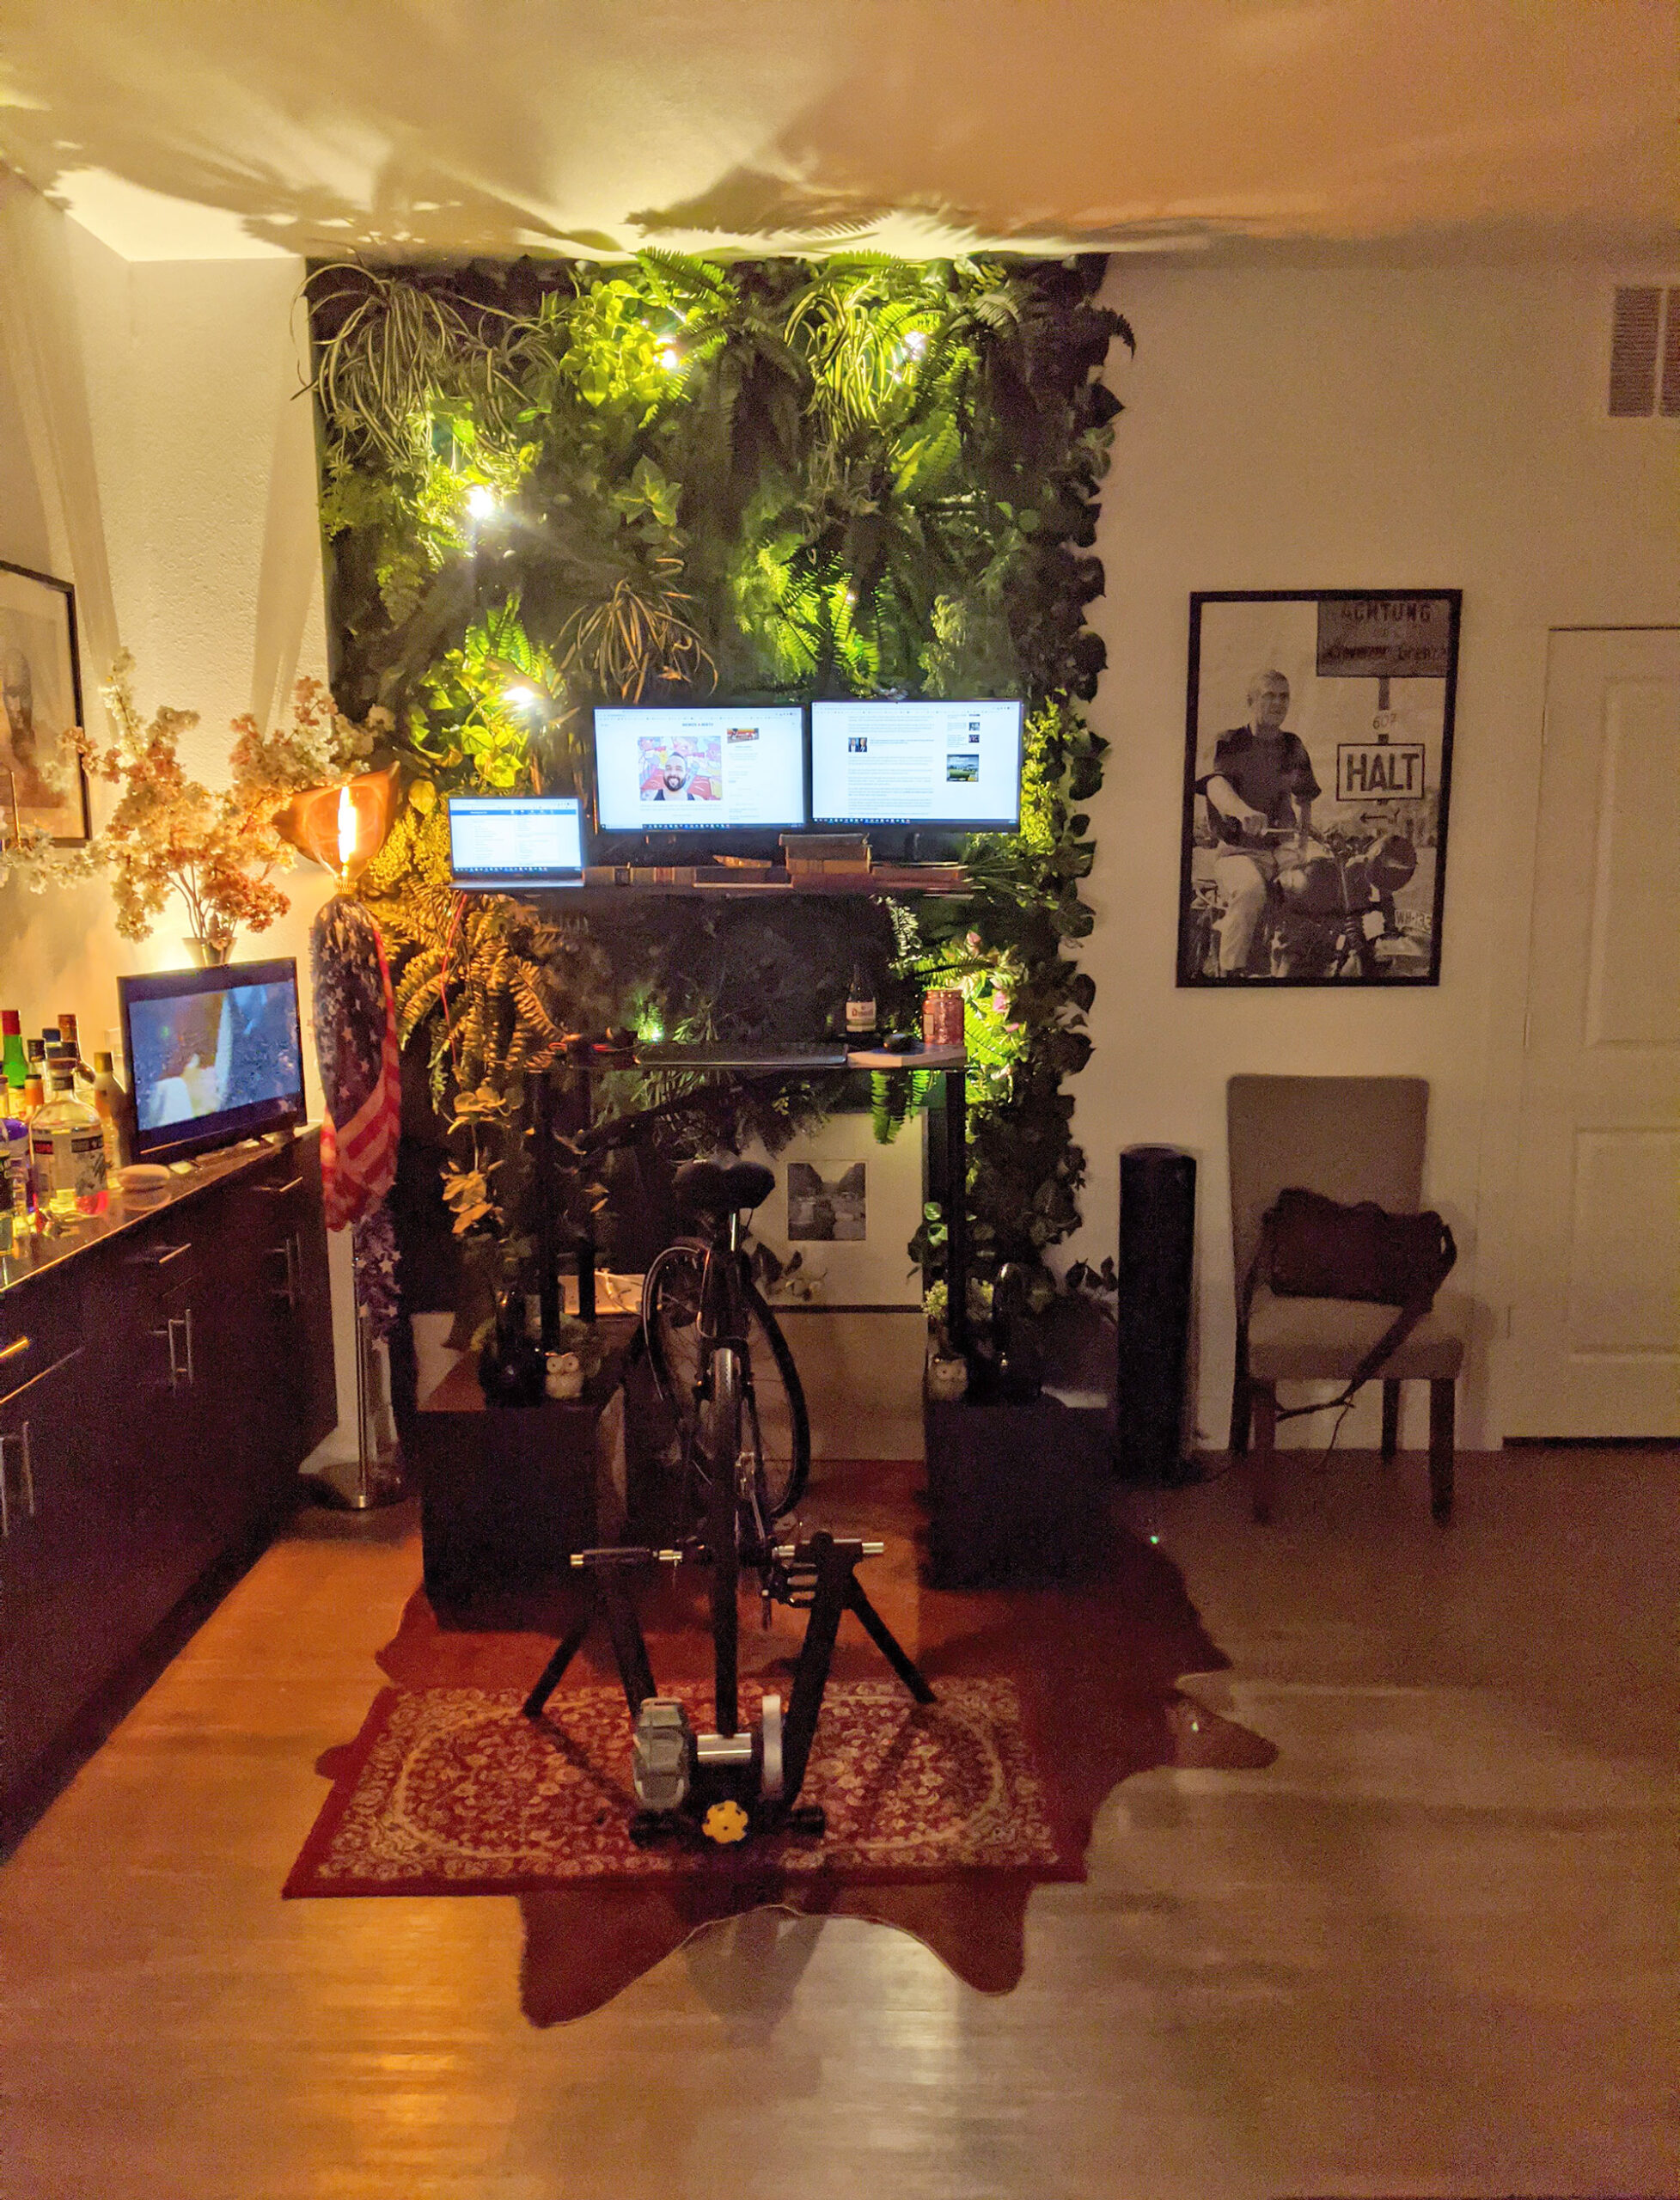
1390	1341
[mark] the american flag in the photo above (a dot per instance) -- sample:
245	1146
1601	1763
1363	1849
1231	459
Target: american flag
356	1043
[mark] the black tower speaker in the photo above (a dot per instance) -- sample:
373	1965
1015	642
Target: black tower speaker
1158	1220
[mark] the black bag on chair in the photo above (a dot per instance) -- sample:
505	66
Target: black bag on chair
1311	1247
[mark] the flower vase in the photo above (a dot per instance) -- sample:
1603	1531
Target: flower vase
208	951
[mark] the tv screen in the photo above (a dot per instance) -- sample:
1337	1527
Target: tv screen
214	1056
717	767
513	841
950	765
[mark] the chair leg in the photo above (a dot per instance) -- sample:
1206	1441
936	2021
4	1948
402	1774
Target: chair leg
1263	1457
1239	1416
1442	1397
1390	1416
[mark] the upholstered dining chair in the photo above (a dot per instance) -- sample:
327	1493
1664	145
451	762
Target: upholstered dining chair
1352	1139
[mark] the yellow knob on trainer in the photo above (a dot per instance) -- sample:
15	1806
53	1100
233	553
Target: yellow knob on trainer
724	1822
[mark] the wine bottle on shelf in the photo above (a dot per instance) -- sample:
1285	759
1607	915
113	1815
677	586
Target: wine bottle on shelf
860	1005
110	1104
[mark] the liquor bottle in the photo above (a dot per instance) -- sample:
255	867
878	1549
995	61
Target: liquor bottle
67	1151
33	1099
860	1005
110	1103
13	1182
68	1039
35	1053
17	1062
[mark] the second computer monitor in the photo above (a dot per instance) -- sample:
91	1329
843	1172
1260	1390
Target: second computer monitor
729	767
950	766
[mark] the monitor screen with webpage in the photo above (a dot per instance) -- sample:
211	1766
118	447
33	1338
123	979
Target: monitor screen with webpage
499	842
955	765
718	765
213	1055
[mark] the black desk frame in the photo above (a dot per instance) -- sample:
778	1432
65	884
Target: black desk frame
949	1064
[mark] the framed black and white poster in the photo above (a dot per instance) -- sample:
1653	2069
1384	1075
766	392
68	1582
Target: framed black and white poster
1318	759
41	781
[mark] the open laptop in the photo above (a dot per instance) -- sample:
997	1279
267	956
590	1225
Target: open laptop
504	843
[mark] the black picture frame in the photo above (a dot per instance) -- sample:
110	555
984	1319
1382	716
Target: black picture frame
40	700
1371	676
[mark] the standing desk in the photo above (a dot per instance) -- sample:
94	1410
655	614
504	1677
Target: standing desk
768	1061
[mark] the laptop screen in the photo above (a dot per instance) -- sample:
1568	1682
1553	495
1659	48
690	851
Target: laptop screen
516	839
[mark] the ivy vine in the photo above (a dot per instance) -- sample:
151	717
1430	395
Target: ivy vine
544	487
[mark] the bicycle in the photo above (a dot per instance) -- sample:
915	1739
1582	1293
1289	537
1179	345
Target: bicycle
701	1314
721	1363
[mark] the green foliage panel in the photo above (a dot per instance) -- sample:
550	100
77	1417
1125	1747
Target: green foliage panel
545	488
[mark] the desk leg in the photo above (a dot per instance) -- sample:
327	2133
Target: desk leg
957	1207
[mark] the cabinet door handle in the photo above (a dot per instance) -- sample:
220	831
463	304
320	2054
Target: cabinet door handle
159	1256
288	1290
181	1371
278	1191
26	1480
295	1243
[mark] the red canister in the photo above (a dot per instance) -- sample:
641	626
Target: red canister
942	1018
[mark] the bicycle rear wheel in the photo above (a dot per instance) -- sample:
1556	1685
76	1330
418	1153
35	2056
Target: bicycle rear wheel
775	1426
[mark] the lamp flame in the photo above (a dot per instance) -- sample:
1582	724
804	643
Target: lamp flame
346	828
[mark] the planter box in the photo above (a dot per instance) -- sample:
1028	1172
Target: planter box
1017	1493
508	1493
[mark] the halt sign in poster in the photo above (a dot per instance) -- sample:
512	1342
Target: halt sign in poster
1318	761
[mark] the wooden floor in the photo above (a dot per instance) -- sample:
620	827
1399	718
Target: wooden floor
1428	1950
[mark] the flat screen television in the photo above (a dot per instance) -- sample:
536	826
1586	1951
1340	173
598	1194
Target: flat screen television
932	767
701	771
499	843
214	1056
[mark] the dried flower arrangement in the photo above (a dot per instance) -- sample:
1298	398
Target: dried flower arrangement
170	834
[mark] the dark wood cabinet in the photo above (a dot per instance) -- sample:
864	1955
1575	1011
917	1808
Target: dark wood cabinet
163	1377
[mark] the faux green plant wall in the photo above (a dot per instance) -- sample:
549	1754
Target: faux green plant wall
544	488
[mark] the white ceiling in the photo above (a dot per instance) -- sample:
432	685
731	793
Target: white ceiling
189	129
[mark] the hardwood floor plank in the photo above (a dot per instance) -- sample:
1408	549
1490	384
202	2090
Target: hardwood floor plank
1430	1949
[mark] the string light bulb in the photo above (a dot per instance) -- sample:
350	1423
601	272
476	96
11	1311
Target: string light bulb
481	502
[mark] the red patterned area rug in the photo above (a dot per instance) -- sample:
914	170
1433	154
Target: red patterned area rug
941	1823
454	1791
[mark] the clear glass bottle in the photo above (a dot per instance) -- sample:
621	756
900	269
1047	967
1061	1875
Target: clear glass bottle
110	1104
13	1182
67	1151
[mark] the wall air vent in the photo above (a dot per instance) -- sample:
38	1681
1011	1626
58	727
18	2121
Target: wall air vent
1644	353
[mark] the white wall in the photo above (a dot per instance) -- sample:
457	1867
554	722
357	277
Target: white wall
1303	429
205	465
1285	429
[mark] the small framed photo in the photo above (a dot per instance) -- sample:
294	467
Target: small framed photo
1318	762
42	785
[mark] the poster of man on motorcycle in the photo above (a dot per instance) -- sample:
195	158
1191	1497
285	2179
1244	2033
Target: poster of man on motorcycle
1317	766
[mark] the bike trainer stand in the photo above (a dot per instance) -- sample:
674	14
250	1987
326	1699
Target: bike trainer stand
727	1785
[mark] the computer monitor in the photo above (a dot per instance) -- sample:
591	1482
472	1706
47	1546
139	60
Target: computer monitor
502	843
950	767
700	767
214	1056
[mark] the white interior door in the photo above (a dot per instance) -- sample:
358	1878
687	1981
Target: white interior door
1595	1325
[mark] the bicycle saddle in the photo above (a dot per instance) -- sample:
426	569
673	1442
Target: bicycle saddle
709	1188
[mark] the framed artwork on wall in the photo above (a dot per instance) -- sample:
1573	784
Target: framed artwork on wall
1318	761
42	785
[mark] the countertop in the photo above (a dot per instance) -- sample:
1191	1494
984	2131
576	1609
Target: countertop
48	1248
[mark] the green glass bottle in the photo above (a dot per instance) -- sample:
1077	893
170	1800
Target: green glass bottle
13	1059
